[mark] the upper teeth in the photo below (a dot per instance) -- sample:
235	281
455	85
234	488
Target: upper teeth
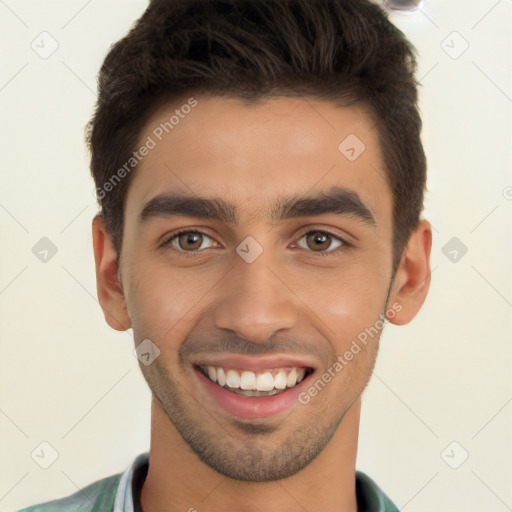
265	380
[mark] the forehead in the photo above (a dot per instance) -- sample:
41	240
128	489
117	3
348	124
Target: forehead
252	154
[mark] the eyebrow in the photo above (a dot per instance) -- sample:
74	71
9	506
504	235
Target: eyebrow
336	200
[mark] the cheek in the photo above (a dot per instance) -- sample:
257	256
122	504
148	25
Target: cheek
354	320
161	302
348	303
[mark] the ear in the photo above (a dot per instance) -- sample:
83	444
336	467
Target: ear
412	278
108	286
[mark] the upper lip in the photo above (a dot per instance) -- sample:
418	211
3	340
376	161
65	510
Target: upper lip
253	363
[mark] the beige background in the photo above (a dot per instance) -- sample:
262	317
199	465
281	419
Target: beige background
69	380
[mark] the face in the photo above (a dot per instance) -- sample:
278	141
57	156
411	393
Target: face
257	249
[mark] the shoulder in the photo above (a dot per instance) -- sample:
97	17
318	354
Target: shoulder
370	497
96	497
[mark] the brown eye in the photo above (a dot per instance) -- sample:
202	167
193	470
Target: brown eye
319	241
187	241
191	240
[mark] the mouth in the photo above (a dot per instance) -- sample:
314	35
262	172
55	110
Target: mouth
267	382
247	388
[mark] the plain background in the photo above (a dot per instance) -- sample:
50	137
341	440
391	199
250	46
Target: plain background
69	380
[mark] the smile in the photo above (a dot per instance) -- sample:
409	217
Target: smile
260	383
249	388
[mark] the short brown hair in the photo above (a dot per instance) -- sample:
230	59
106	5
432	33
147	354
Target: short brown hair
345	51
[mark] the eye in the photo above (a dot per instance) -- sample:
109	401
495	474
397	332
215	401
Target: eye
190	242
187	241
318	241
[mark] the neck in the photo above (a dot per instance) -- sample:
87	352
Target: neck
178	481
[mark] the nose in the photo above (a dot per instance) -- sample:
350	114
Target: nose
255	300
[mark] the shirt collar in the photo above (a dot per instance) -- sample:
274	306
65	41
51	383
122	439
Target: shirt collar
369	496
124	496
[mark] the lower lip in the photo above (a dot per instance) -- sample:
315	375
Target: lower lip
250	407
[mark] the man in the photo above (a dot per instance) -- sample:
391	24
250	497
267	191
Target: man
281	140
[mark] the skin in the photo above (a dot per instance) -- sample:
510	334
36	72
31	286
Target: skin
290	300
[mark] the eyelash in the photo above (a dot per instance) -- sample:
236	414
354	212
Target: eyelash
167	242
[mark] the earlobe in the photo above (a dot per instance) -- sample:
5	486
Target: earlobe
412	278
108	285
